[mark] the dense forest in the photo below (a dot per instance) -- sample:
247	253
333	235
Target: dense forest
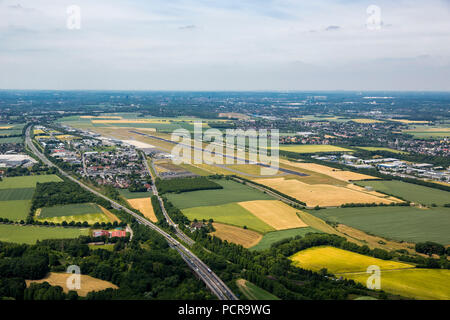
57	193
145	268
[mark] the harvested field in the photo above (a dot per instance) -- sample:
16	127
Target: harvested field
275	213
329	171
320	194
88	283
144	205
336	260
244	237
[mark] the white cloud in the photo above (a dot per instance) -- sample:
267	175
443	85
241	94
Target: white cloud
200	44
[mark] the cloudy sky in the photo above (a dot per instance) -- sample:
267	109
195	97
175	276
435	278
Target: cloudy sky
226	45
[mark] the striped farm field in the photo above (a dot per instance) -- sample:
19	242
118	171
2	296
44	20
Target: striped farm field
231	192
88	283
27	181
11	140
16	194
30	234
426	284
69	210
410	224
336	260
275	236
409	191
230	213
244	237
275	213
15	210
144	205
312	148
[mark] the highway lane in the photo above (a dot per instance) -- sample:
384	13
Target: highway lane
180	234
212	281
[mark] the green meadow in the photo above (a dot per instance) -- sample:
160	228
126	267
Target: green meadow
409	191
231	192
398	223
69	210
27	181
30	234
15	210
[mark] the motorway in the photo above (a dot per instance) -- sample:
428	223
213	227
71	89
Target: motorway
212	281
180	234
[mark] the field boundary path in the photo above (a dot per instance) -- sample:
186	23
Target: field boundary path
212	281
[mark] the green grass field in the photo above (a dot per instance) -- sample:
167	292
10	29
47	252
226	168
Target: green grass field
230	213
253	292
231	192
30	234
275	236
70	210
337	261
134	195
11	140
409	191
15	210
399	223
381	149
311	148
26	181
427	284
16	194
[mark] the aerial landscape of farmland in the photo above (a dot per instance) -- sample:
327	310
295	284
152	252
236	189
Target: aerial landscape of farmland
224	159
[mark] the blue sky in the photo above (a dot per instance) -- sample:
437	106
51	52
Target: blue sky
225	45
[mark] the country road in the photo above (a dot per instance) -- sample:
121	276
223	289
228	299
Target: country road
212	281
